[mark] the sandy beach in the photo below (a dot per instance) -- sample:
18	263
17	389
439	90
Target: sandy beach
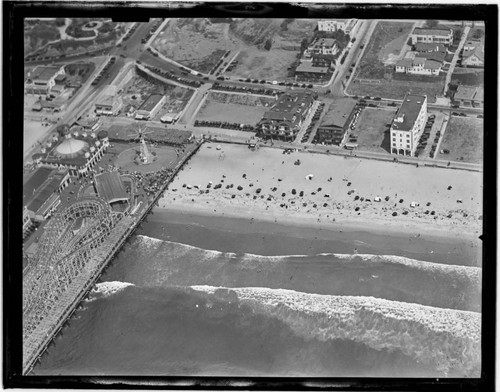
269	185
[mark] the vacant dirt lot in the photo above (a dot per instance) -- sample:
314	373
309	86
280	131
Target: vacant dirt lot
385	45
199	44
468	77
464	138
373	133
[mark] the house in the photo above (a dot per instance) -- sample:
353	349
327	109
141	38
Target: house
150	107
473	57
90	124
41	79
408	124
284	119
471	45
329	25
109	103
306	71
428	47
322	46
469	96
435	36
335	123
419	66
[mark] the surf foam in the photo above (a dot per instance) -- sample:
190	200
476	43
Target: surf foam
446	339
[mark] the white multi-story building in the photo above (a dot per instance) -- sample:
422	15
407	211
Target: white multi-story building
408	124
322	46
435	36
419	66
346	25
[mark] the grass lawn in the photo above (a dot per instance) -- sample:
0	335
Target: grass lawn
464	138
470	78
38	35
397	89
204	64
233	113
387	40
373	133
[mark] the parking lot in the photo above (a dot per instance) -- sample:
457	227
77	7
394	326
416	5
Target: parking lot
430	139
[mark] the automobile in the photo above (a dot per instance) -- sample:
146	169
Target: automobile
454	114
479	116
445	151
463	115
377	99
432	116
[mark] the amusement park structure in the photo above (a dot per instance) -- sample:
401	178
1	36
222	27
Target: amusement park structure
71	254
145	157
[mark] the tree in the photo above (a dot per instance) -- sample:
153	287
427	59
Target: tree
478	34
431	23
268	44
60	22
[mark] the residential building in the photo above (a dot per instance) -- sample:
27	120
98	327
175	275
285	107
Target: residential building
473	57
335	123
428	47
109	103
419	66
41	79
408	124
90	124
436	36
469	96
284	119
322	46
150	107
305	71
471	45
330	25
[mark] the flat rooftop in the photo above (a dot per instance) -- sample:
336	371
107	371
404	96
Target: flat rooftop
408	112
109	186
339	113
150	102
441	32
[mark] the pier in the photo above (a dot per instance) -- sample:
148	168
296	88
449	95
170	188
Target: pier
61	278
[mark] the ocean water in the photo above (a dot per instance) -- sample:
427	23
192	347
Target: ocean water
201	296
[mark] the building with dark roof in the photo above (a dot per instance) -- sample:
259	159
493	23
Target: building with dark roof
408	124
150	106
284	119
306	72
109	186
41	79
435	36
41	194
335	123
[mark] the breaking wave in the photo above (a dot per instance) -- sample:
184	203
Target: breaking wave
447	339
106	289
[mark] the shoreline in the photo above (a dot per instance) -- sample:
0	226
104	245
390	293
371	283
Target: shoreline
341	224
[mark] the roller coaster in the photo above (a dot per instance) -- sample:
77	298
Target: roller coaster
69	253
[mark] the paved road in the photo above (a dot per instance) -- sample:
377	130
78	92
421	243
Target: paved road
455	58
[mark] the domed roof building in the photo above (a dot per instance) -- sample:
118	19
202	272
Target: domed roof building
75	150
